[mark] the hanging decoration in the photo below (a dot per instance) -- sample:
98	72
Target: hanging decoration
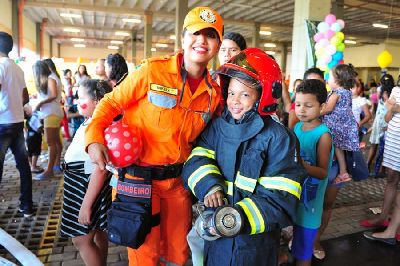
329	44
384	59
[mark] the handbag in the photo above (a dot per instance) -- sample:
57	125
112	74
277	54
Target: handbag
356	165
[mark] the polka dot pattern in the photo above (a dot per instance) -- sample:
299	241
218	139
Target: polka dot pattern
124	144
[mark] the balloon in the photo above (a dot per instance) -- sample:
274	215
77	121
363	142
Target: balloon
341	61
79	60
124	144
337	56
332	64
328	34
339	35
331	49
334	41
324	42
318	36
323	26
384	59
320	52
326	59
335	27
341	23
340	47
330	19
326	75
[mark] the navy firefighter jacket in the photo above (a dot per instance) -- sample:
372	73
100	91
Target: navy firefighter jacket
255	163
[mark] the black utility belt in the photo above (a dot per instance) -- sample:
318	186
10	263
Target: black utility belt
155	172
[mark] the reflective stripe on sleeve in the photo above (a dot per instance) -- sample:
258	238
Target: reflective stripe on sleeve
201	172
200	151
245	183
253	214
229	185
281	183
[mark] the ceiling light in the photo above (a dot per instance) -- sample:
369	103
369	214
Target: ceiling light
172	37
264	32
117	42
350	42
153	49
161	45
72	30
122	33
69	15
77	40
132	20
79	45
113	47
270	52
383	26
270	45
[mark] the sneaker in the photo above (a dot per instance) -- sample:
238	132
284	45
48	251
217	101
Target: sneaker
27	212
42	176
57	170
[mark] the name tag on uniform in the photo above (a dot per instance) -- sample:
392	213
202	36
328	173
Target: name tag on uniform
161	88
134	190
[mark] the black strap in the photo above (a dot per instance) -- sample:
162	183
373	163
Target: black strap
155	172
155	220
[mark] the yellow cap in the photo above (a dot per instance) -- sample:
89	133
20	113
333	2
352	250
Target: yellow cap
203	17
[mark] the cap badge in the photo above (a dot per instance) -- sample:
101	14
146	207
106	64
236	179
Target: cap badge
208	16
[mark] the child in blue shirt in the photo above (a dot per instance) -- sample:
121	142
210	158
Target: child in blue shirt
316	156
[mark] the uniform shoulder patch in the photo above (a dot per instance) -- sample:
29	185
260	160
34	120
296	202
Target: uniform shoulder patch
162	88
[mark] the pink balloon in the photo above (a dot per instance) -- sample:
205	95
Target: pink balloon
330	19
331	49
324	42
318	36
328	34
341	23
326	59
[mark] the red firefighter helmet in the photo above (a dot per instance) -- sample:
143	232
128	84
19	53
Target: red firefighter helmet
258	65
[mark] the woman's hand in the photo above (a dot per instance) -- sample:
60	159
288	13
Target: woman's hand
215	199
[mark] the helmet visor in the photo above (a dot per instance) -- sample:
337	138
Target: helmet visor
228	72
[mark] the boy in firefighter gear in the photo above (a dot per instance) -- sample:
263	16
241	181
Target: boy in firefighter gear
170	99
249	159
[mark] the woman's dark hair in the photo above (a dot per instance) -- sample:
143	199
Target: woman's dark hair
237	38
313	70
41	72
84	71
52	66
65	71
119	68
344	75
315	87
96	88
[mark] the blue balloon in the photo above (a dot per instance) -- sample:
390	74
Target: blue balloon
332	64
326	75
337	56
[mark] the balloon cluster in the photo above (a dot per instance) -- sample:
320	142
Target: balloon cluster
124	144
329	44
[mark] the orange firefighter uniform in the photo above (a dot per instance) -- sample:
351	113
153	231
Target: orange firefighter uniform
157	100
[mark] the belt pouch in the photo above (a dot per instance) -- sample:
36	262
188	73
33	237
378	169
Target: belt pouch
129	218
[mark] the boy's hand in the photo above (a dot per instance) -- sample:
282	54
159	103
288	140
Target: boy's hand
98	154
84	214
215	199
